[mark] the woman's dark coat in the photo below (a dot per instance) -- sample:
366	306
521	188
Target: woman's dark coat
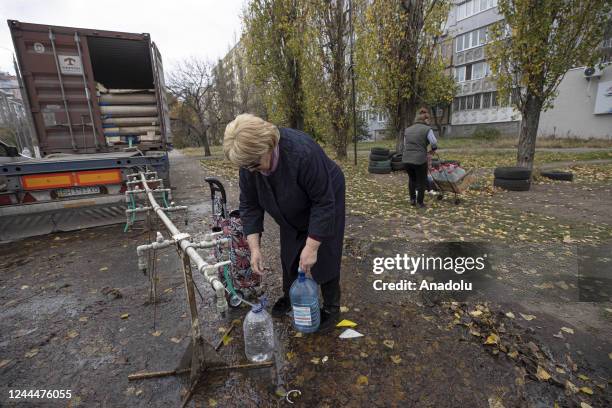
305	196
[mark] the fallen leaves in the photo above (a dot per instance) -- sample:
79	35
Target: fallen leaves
492	339
104	268
586	390
125	316
396	359
389	343
156	333
527	317
362	380
510	315
344	309
568	330
175	340
72	334
4	363
542	374
32	353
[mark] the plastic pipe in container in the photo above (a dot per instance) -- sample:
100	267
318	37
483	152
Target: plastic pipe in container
135	110
143	121
127	99
130	130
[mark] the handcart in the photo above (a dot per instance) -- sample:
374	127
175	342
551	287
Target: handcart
240	280
456	187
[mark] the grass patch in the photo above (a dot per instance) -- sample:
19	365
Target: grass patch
479	217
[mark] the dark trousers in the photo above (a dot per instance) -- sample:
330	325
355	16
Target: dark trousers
417	181
329	290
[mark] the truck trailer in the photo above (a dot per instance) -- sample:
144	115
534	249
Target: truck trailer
96	104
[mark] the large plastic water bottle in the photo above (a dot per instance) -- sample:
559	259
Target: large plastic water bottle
258	334
304	296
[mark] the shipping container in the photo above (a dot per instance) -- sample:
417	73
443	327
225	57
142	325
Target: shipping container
97	107
91	91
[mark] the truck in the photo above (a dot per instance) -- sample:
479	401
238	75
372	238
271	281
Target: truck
97	109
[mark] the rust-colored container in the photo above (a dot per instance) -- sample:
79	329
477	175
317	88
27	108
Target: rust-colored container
73	77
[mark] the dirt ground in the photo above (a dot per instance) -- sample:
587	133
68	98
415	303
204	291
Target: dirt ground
76	316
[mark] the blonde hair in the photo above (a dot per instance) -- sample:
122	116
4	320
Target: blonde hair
247	138
422	115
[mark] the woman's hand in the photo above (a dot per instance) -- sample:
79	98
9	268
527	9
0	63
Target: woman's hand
308	257
257	262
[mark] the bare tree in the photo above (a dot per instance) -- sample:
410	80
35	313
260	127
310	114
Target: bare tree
191	83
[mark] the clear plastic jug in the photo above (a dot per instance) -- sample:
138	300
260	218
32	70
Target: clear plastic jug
304	296
258	332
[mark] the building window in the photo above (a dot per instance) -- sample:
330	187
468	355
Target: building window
382	117
477	101
372	116
494	99
471	7
462	103
468	72
478	70
455	104
469	102
460	74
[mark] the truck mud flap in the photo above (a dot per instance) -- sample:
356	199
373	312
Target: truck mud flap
19	226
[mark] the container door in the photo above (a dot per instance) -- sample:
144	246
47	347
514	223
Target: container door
160	90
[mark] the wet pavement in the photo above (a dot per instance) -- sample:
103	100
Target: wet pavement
65	298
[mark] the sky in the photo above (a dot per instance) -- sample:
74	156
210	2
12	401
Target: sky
181	28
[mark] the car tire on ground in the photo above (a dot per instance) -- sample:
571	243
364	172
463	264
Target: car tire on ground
383	151
397	166
558	175
378	157
379	170
512	185
512	173
397	157
380	164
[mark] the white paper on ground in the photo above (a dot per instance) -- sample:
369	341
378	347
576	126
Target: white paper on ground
350	334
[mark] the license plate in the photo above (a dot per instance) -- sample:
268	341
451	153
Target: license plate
77	191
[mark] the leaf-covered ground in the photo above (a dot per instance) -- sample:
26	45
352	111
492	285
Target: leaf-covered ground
481	215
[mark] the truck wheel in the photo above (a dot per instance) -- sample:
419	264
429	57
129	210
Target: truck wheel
378	157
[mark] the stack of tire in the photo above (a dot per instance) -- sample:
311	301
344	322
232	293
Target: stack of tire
512	178
396	162
380	162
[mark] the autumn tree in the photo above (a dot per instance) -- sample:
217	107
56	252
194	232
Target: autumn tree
399	63
273	43
191	83
326	74
534	46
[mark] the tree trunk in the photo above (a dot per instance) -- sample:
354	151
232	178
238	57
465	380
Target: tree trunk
407	111
205	143
528	132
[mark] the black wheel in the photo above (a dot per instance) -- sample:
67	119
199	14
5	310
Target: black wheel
397	157
378	157
379	170
383	151
236	301
512	173
512	185
397	166
558	175
380	164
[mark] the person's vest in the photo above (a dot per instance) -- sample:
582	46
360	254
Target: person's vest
415	144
